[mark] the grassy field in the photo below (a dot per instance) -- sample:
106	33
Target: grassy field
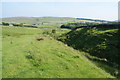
25	56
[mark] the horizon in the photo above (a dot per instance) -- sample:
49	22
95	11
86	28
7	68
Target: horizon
54	17
90	10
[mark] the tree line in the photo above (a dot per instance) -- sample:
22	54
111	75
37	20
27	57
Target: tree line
74	26
18	25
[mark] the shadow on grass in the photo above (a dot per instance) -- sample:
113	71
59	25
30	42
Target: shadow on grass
97	42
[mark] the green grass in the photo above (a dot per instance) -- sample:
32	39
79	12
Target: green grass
17	31
26	57
99	42
0	52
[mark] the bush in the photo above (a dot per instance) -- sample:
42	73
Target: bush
5	24
53	31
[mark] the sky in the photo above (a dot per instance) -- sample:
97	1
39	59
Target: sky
105	10
59	0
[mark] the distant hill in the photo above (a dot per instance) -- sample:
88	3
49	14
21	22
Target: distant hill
93	20
38	20
50	20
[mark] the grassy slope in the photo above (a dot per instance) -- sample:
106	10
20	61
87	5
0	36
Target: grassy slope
24	57
102	43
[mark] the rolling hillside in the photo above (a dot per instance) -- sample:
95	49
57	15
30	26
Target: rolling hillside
37	20
27	53
101	43
40	20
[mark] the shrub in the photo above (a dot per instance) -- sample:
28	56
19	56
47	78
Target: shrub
53	31
5	24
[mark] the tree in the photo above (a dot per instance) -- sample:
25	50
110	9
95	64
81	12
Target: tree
6	24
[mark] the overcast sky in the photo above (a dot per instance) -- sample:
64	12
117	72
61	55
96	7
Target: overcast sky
95	9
